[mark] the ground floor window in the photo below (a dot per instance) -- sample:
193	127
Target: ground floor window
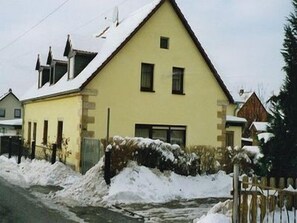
59	134
166	133
34	131
29	133
45	132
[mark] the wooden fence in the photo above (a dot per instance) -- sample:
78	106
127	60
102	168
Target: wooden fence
266	200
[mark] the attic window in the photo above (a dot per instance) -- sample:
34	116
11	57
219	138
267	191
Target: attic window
164	42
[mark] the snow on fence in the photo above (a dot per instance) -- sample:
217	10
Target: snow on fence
266	200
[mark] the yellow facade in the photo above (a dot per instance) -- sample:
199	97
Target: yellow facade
118	85
66	109
201	109
237	130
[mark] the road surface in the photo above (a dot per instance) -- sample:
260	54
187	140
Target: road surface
18	205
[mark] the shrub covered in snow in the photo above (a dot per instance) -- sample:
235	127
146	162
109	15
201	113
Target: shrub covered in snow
153	154
246	156
207	157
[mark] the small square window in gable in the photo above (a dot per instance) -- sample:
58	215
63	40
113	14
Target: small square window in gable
164	42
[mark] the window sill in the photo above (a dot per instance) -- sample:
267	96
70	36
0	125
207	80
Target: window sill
147	90
178	93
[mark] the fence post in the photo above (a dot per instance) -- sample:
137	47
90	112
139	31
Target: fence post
19	150
54	153
33	150
107	166
9	147
235	214
263	200
245	208
254	201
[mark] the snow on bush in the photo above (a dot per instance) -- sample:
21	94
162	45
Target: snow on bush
153	154
207	158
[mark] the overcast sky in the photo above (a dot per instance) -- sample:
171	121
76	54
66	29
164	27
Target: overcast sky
242	38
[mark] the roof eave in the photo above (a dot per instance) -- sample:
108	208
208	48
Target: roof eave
59	94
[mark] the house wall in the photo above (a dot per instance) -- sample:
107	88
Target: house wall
67	109
231	108
237	134
9	103
203	107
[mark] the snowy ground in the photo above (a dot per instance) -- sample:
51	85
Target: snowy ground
134	185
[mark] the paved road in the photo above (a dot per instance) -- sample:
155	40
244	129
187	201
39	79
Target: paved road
18	205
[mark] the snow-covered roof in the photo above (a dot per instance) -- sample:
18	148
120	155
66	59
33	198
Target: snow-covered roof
260	126
243	97
113	38
253	150
3	96
246	139
235	119
266	136
11	122
6	94
106	45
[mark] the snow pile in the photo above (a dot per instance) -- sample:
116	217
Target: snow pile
146	185
220	213
213	218
36	172
41	172
134	184
89	190
139	184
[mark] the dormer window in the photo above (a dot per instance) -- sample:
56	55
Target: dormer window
52	71
71	68
77	61
43	75
57	69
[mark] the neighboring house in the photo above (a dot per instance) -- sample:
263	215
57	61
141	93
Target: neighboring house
10	114
148	69
250	107
257	128
10	106
12	127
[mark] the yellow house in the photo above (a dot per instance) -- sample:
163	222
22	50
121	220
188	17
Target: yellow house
149	70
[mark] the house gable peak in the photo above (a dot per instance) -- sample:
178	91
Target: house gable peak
50	56
68	46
